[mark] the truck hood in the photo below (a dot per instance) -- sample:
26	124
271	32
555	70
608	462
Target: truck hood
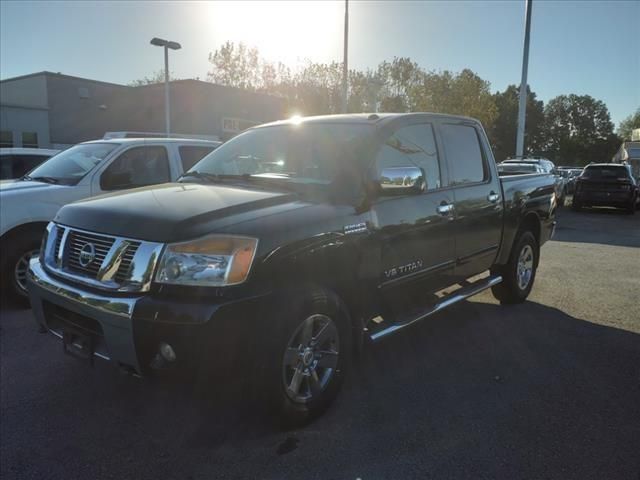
23	185
174	211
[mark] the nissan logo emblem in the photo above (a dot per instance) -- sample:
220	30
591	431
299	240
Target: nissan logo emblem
87	254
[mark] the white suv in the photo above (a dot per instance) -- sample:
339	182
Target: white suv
84	170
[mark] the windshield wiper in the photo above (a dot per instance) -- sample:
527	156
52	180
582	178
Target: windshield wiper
43	179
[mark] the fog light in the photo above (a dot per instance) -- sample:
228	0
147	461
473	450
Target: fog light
167	352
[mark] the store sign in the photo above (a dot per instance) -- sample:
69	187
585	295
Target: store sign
236	125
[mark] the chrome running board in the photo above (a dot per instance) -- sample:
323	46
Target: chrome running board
447	301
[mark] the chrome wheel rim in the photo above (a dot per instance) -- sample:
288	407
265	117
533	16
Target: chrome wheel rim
311	358
20	271
525	267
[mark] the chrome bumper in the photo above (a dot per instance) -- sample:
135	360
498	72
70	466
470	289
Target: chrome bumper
114	314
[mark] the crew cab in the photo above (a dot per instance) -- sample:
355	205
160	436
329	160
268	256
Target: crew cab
290	247
84	170
606	185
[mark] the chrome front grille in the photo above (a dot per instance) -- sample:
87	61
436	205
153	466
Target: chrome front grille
76	241
101	261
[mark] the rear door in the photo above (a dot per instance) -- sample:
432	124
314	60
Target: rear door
477	196
414	233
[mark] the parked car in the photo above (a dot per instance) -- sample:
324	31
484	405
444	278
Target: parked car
285	271
548	167
606	185
84	170
16	162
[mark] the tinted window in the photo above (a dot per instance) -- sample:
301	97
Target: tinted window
606	171
192	154
137	167
412	145
464	154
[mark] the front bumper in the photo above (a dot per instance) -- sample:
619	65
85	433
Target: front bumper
129	329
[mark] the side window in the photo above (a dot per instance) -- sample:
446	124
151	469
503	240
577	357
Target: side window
6	166
192	154
466	161
137	167
412	145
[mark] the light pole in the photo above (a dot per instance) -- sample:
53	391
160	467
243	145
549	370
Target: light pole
345	66
522	108
167	44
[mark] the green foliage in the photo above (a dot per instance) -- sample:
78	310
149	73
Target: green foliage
503	133
156	77
628	124
579	130
571	129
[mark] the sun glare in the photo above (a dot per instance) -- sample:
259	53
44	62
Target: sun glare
284	31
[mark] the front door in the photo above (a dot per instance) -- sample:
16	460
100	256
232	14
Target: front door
413	230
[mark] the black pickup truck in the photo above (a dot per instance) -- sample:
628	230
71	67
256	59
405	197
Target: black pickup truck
291	247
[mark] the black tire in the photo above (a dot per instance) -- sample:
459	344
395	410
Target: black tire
14	250
575	206
310	303
512	290
631	209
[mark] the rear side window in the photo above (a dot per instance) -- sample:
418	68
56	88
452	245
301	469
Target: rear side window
413	145
192	154
466	161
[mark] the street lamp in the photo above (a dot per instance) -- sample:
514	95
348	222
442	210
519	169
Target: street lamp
167	44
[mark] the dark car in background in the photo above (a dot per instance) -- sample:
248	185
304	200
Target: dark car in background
606	185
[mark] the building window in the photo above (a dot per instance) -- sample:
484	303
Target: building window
83	92
6	139
29	140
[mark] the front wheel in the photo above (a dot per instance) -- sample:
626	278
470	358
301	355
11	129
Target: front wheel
17	252
309	358
519	273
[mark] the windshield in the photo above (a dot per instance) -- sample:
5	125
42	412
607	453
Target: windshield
312	153
68	167
606	171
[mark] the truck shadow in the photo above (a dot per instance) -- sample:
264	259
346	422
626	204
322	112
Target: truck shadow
473	380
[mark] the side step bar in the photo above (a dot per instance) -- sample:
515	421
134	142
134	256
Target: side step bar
455	297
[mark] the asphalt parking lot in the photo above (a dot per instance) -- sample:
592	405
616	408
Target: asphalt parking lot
547	389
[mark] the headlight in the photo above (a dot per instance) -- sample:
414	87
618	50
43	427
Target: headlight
214	260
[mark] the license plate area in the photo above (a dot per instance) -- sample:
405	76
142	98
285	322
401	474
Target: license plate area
78	345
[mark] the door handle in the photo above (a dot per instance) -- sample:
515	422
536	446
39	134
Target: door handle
444	208
493	197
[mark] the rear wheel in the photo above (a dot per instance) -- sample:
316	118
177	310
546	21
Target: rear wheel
17	251
519	273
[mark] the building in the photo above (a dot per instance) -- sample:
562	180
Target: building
51	110
629	153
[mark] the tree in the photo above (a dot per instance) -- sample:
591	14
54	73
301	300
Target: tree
464	93
503	132
578	130
235	66
628	124
156	77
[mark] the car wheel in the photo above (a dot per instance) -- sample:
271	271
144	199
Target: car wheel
15	263
519	273
309	357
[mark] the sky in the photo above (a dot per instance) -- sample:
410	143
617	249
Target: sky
583	47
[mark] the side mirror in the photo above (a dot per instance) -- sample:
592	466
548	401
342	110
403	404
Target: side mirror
402	180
